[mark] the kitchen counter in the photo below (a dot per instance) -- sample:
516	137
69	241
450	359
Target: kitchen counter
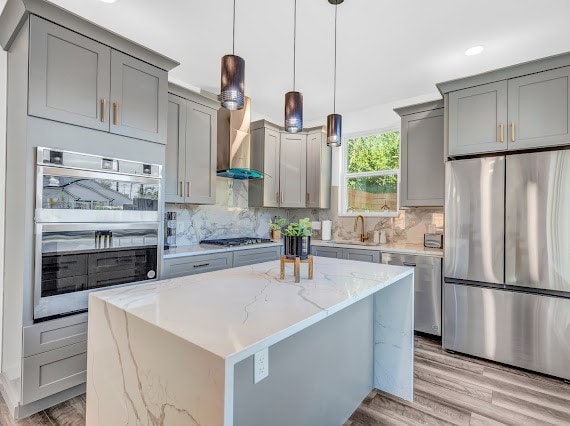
403	248
197	249
182	344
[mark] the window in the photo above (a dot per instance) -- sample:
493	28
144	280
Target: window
371	167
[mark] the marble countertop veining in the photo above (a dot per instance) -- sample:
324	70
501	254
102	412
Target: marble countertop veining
402	248
233	313
197	249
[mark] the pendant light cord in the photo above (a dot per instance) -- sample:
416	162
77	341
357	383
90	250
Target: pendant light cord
294	43
234	31
334	91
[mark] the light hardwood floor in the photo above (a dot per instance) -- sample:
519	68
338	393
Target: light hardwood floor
449	389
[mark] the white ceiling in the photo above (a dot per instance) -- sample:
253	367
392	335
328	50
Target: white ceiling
389	52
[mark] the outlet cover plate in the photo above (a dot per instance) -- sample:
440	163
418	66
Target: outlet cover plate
260	365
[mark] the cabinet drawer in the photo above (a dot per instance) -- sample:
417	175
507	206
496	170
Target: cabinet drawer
362	255
54	334
190	265
51	372
334	252
252	256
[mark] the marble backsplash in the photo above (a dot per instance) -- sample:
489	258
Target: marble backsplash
231	217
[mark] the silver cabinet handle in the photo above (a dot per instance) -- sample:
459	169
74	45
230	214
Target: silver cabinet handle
277	197
501	133
188	189
282	197
115	113
512	131
181	190
201	265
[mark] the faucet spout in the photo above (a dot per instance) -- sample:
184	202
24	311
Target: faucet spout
362	236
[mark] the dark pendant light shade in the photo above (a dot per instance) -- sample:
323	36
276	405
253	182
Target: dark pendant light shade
334	129
232	82
293	112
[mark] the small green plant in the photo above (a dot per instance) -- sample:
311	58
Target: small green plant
300	229
277	223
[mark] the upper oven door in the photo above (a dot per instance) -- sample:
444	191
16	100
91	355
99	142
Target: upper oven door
66	195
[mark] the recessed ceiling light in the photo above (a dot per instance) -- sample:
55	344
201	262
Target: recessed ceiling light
475	50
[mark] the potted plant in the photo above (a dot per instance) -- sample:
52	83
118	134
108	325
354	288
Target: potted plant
298	239
276	224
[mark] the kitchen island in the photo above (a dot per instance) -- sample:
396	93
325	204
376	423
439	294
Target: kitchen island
181	351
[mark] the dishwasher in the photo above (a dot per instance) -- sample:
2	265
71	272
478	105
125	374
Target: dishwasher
427	286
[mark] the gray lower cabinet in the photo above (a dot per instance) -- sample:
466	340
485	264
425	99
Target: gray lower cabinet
334	252
258	255
478	119
319	158
190	172
54	371
55	357
139	94
539	114
422	169
361	255
69	76
189	265
76	80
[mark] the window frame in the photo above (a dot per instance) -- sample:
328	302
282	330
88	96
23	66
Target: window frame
345	176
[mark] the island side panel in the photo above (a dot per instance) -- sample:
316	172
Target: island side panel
138	374
318	376
394	339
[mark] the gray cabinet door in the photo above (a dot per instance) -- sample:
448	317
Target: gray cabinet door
139	98
318	171
54	371
334	252
539	115
478	119
258	255
201	149
190	265
272	143
422	166
69	76
48	335
174	176
293	170
361	255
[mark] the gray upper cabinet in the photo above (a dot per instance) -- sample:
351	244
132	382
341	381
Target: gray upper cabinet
139	98
318	170
69	76
422	166
265	151
191	149
478	119
76	80
174	172
539	115
293	170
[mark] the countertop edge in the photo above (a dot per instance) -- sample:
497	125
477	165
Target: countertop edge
386	248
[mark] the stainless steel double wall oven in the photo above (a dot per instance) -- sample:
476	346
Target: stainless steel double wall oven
97	223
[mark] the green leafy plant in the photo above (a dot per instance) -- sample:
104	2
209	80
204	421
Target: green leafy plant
277	223
300	229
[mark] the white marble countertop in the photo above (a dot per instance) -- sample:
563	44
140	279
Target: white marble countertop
197	249
233	313
402	248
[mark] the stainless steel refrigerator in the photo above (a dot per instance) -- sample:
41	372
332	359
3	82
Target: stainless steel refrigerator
507	260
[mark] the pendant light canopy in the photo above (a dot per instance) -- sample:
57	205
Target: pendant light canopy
334	120
293	99
232	80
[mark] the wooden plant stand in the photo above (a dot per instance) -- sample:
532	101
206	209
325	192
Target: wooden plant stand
297	267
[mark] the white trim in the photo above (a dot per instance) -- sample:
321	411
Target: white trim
344	176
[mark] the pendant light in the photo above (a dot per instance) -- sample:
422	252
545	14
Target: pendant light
294	100
232	80
334	120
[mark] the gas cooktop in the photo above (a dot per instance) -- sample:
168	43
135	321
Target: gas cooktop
238	241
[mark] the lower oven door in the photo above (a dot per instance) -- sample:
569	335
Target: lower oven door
75	259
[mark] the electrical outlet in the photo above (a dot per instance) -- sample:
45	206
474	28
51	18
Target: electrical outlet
260	365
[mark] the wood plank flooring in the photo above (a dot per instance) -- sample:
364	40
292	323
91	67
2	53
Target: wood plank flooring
452	389
449	389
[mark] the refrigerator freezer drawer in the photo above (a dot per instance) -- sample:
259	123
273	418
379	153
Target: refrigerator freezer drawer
521	329
427	289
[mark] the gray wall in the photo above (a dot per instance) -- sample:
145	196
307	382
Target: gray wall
316	377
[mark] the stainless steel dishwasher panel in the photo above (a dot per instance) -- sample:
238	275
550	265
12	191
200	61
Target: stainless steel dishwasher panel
427	285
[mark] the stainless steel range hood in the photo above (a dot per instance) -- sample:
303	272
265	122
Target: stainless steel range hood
234	142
